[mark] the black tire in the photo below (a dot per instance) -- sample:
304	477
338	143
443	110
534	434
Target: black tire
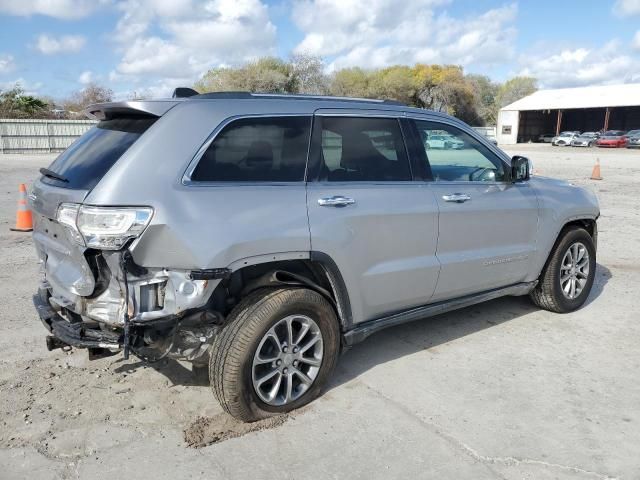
233	350
548	293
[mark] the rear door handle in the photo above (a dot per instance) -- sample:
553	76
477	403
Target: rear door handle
456	197
335	201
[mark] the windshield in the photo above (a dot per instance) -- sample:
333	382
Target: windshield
613	133
88	159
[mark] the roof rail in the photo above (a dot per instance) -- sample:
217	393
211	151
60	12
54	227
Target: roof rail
298	96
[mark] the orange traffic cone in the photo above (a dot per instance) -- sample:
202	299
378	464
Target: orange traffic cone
24	221
595	174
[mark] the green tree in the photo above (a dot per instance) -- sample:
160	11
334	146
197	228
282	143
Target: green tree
350	82
484	92
265	75
393	83
14	103
515	89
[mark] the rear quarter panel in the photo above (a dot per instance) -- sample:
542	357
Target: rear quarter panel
203	226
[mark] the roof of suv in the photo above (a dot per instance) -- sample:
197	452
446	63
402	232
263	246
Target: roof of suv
160	106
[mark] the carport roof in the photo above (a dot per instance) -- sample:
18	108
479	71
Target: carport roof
626	95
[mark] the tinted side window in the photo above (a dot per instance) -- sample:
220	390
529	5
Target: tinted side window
362	149
454	155
87	160
257	150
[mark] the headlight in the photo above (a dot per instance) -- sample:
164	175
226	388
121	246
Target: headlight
105	228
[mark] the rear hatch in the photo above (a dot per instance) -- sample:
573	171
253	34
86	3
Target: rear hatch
69	179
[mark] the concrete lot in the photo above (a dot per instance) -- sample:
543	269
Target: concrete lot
499	390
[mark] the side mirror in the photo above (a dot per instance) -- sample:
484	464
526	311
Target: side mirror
520	169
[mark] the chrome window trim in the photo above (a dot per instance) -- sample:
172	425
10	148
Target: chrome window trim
193	163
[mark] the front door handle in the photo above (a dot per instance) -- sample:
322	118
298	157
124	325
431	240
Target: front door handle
335	201
456	197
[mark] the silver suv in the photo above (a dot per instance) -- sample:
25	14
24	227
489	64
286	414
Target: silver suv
259	236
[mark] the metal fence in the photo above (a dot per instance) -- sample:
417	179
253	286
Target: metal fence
40	136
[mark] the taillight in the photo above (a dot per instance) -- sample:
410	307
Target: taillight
104	228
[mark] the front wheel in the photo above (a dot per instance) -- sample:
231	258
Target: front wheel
275	354
566	280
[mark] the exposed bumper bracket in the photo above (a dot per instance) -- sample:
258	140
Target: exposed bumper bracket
72	334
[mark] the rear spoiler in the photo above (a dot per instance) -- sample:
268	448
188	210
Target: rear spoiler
154	108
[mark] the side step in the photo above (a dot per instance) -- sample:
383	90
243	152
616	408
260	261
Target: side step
364	329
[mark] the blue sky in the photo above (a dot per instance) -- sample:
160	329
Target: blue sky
54	47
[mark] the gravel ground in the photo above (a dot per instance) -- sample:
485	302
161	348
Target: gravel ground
499	390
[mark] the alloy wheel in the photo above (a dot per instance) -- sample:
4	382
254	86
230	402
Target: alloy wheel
574	270
287	360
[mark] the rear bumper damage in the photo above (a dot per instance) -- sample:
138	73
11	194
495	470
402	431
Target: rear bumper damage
167	312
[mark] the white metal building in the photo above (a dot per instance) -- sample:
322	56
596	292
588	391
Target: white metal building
608	107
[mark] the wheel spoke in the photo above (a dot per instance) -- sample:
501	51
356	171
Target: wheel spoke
305	379
261	360
572	293
289	331
309	344
271	336
314	362
273	393
303	331
267	376
564	278
288	388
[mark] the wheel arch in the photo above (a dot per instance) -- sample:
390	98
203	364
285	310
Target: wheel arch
588	223
314	270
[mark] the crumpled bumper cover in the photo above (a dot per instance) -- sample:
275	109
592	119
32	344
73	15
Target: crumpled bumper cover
73	334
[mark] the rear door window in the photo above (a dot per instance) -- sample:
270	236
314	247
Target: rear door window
361	149
87	160
269	149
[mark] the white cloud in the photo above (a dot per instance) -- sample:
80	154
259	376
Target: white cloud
378	33
610	64
635	43
65	9
627	7
28	87
65	44
190	37
86	77
6	63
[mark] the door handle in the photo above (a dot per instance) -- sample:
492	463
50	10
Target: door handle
335	201
456	197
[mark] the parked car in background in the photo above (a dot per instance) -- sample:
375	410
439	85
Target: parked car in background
586	139
546	138
564	139
633	133
634	141
444	141
613	139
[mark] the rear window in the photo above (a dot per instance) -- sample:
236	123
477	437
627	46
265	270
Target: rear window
258	149
85	162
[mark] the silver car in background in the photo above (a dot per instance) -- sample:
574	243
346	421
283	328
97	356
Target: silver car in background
586	139
564	139
258	236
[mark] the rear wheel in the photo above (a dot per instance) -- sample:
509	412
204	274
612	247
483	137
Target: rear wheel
566	280
275	354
